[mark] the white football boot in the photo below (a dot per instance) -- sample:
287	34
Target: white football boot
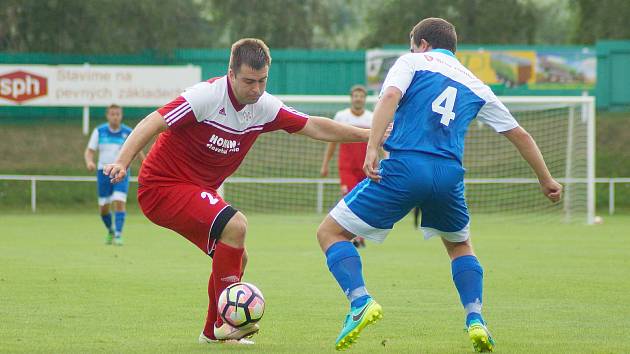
205	340
229	334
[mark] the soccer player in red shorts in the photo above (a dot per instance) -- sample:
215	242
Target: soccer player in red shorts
351	155
204	135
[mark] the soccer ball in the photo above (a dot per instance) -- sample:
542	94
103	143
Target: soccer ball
241	304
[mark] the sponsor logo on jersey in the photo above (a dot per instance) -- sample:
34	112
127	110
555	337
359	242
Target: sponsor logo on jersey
222	111
20	86
245	116
458	68
222	145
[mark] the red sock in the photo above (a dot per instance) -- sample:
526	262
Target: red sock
226	269
208	329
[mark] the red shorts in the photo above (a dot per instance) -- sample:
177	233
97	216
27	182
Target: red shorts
196	213
349	178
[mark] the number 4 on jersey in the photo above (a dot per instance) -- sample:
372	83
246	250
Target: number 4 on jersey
448	98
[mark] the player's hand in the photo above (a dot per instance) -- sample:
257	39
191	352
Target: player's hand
370	166
324	171
90	166
115	171
551	189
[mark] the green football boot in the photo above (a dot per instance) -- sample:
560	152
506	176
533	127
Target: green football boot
480	336
356	321
109	237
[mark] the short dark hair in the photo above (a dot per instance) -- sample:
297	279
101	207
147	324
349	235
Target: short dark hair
358	88
252	52
438	32
113	106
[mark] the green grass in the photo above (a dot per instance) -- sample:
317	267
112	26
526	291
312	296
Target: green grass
548	288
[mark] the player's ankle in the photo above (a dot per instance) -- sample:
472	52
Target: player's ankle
360	301
209	334
474	317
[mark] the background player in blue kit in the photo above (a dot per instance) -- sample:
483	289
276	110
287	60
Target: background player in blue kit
432	99
108	138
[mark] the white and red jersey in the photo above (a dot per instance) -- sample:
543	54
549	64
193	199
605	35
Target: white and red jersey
352	155
210	133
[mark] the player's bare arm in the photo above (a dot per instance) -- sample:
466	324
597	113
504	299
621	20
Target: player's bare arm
320	128
383	115
150	126
531	153
88	156
330	150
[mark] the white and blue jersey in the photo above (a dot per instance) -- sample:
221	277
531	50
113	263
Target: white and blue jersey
440	97
108	144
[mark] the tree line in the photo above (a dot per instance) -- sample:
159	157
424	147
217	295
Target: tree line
122	26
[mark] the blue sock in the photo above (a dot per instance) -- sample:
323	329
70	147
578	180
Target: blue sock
468	279
107	220
344	263
119	217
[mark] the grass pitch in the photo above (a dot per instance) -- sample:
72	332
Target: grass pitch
548	288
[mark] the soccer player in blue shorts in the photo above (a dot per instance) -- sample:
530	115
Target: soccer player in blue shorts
432	98
108	138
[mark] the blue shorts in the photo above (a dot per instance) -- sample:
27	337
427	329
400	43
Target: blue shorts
409	179
108	191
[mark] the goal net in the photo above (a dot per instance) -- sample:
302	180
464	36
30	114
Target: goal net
281	173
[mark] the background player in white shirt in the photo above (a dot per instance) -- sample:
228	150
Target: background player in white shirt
107	139
432	99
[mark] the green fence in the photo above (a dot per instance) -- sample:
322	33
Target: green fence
293	72
613	75
329	72
297	72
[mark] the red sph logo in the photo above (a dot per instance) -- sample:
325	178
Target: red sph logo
20	86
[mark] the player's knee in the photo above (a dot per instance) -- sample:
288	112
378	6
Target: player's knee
458	249
321	231
118	205
328	233
104	209
237	224
235	230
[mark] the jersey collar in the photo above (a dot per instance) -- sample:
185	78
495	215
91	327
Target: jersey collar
109	127
443	51
355	115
